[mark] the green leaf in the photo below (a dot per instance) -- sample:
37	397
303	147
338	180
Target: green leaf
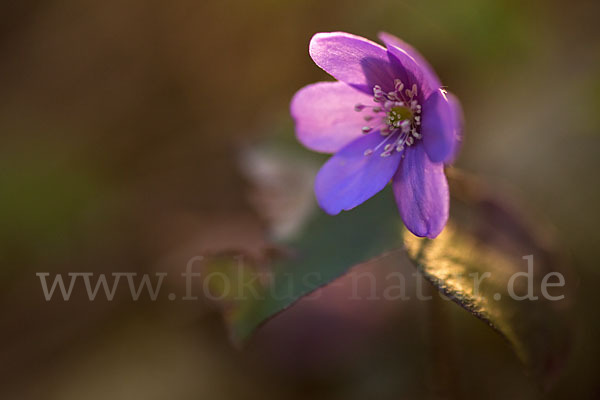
326	248
489	234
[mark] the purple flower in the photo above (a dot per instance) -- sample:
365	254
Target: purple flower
386	118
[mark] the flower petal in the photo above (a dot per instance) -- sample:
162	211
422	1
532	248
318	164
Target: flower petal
353	59
397	47
421	192
439	127
349	177
325	116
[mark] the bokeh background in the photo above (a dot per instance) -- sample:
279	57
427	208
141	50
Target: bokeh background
121	127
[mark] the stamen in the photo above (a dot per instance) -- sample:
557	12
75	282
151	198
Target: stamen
405	126
398	85
382	142
399	126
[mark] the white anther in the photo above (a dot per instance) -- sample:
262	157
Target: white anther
398	85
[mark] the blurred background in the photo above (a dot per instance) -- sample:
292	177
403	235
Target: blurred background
121	125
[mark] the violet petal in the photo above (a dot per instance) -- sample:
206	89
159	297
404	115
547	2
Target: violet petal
354	60
349	177
421	193
396	46
438	127
325	116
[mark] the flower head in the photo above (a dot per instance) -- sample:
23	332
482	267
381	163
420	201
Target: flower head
386	118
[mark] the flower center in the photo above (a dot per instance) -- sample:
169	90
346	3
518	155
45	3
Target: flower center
397	116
